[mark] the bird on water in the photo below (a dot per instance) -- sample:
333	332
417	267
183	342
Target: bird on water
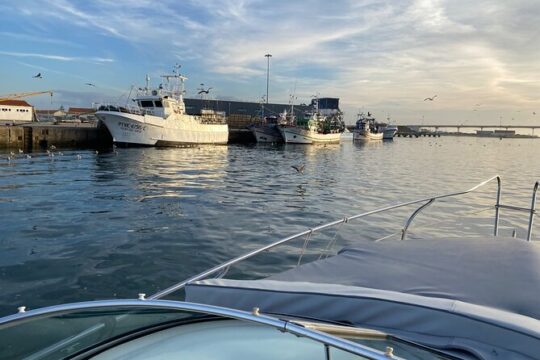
299	168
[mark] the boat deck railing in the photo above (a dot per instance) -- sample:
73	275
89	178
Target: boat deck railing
129	109
220	270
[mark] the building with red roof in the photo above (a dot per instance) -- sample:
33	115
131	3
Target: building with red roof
12	111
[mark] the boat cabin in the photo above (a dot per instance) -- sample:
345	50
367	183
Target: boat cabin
159	105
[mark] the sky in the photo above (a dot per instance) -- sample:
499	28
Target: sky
481	58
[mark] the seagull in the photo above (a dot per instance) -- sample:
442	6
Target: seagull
299	168
202	91
90	84
52	147
38	76
21	151
79	157
430	98
28	156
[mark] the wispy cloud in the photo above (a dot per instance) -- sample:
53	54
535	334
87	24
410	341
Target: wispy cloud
37	39
56	57
375	53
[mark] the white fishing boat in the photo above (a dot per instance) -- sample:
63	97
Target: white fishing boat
421	298
159	118
367	128
389	132
322	125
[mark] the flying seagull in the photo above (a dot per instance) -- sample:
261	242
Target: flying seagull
38	76
430	98
534	112
299	168
90	84
202	91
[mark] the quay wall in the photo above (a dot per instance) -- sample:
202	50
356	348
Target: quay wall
39	136
11	137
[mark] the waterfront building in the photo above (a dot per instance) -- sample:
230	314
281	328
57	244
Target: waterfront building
15	111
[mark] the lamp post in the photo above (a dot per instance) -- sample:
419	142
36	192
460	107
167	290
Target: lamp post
268	56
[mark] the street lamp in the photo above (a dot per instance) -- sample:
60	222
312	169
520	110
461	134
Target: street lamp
268	56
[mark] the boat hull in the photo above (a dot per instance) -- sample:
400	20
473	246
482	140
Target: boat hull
155	131
366	136
294	135
266	134
389	133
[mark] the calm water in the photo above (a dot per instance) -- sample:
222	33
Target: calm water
116	224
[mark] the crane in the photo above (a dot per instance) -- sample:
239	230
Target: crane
24	94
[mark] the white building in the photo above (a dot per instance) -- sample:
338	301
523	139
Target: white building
15	111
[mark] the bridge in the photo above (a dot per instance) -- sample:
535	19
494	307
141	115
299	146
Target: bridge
480	127
483	126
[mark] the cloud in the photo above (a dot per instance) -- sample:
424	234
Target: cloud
56	57
367	52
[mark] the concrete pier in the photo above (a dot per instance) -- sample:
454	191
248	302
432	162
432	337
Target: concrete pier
32	136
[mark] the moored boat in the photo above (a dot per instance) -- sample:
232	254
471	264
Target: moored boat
268	131
324	124
159	118
367	128
389	131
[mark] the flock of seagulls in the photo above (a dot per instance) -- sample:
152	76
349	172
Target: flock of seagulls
40	76
51	154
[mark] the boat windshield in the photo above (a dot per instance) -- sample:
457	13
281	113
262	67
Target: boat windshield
65	334
141	332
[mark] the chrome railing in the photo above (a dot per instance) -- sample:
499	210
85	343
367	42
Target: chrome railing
224	267
255	317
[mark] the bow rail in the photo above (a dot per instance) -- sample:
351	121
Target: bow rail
223	268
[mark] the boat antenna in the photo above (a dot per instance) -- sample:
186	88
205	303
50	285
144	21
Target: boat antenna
292	98
262	101
179	88
316	102
130	91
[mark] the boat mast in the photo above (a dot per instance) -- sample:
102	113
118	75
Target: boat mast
147	86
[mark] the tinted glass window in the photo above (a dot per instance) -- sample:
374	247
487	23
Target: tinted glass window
158	103
147	103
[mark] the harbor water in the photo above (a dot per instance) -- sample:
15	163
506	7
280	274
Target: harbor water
86	225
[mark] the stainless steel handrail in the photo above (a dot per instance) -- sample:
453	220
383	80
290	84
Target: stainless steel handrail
250	254
533	210
255	317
